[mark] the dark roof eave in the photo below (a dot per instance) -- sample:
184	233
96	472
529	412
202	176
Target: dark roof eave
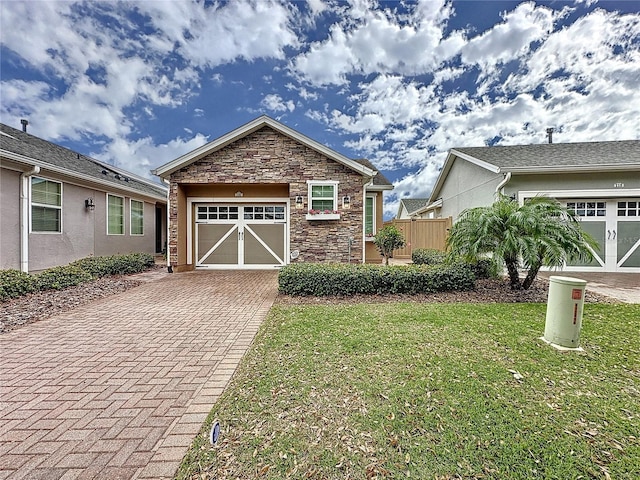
84	179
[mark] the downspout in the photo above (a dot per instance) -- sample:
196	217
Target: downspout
169	267
501	185
24	217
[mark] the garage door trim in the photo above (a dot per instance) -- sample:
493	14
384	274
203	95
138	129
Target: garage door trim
234	200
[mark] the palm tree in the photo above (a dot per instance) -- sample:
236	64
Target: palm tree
540	232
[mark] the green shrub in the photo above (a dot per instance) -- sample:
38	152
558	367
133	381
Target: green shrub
484	268
115	264
57	278
14	283
387	240
344	279
428	256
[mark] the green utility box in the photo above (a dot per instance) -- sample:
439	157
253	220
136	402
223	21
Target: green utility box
564	311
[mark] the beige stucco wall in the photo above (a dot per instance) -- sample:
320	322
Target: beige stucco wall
76	239
9	219
467	186
266	157
120	244
84	232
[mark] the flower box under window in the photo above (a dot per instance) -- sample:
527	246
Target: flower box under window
323	215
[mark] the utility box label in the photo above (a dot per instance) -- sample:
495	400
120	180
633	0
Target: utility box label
576	294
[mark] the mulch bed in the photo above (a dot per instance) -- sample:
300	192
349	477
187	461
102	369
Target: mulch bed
38	306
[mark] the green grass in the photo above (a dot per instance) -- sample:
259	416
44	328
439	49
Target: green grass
425	391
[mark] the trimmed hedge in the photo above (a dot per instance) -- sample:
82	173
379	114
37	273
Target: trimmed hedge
482	268
14	283
344	279
115	264
57	278
428	256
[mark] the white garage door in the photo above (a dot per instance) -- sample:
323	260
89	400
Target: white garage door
240	236
615	225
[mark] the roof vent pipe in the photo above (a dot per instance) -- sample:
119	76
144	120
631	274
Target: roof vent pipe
550	134
24	123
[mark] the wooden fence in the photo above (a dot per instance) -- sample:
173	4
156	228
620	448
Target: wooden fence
421	233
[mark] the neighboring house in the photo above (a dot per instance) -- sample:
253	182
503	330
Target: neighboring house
265	195
58	206
409	205
598	181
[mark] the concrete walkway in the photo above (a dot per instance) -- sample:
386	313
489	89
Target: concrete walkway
621	286
118	388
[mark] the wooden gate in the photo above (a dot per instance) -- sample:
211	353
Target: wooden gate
422	233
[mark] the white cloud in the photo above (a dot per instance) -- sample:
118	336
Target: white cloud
317	6
210	35
512	38
141	156
366	144
276	103
370	40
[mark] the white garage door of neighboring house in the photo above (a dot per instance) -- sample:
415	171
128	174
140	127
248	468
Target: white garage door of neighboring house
240	235
615	224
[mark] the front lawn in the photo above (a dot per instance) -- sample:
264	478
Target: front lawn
428	391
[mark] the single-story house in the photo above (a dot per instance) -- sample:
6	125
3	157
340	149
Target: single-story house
597	181
408	206
265	195
59	205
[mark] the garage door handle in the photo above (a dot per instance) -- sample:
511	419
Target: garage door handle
614	234
608	234
240	236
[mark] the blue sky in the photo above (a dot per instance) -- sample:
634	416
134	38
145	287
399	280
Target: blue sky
139	83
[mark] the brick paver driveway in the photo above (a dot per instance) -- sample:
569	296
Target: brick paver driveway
118	388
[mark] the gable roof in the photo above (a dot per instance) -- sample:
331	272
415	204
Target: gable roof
263	121
28	149
380	182
622	155
412	204
559	157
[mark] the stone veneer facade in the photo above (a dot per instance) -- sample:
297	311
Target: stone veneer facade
267	157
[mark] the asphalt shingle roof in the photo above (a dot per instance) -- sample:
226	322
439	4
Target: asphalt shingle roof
379	179
623	152
21	143
413	204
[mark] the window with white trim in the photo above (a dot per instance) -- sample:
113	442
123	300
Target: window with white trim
115	215
46	205
136	212
370	215
323	196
